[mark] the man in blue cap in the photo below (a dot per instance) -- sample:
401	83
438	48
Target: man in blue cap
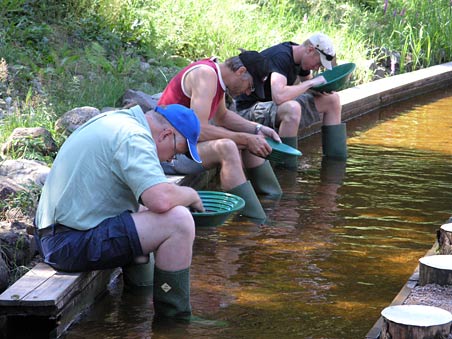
107	203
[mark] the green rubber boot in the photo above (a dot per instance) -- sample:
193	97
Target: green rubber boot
172	295
139	275
334	141
264	180
253	208
290	163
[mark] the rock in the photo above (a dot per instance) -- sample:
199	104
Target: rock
4	274
144	66
17	247
74	118
23	172
8	187
29	140
145	101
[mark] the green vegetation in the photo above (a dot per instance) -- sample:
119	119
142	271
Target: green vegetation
56	55
20	203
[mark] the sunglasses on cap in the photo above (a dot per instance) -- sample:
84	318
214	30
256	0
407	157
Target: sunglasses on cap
327	56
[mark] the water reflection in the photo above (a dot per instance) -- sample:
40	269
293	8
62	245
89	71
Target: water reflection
339	245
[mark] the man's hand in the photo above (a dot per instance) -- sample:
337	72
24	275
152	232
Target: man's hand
257	145
269	132
197	205
317	81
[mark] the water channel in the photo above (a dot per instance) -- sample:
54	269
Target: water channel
338	247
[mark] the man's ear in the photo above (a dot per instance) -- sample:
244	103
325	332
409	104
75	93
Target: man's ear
163	134
311	49
242	70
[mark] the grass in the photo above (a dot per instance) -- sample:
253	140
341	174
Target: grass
48	68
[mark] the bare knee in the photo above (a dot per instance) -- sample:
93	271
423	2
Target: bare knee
330	106
328	103
182	223
228	150
289	113
335	102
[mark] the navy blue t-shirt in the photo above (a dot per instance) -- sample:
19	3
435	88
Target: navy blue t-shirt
280	58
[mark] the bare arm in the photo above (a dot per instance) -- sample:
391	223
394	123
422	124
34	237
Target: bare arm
281	92
201	84
162	197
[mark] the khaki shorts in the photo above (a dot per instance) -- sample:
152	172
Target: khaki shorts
265	112
182	165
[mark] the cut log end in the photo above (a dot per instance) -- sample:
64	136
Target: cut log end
415	322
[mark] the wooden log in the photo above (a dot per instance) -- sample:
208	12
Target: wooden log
445	239
415	322
435	269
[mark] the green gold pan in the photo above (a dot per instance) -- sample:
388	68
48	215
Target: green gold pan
219	207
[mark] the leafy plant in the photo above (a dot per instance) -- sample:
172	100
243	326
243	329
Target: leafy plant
25	200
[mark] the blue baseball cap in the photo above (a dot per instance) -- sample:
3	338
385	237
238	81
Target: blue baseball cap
185	121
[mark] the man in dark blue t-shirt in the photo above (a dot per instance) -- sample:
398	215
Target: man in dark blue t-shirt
288	106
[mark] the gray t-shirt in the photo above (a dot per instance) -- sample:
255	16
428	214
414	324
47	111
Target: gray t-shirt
100	171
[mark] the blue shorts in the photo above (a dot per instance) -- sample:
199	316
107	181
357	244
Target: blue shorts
113	243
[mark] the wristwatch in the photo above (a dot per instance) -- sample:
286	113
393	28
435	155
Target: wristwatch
257	128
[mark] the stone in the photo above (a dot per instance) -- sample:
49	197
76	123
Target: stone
24	172
146	101
74	118
29	140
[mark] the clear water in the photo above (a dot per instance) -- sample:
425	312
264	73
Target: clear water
339	245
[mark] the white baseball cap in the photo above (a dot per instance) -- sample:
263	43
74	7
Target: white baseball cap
324	46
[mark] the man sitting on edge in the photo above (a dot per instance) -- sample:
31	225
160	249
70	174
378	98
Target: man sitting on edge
91	215
226	139
286	104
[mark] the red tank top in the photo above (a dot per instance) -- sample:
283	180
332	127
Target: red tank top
173	93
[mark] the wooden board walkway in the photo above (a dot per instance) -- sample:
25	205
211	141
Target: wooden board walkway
53	296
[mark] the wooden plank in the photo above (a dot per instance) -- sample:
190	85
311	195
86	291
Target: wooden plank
22	287
56	290
362	99
375	331
82	301
45	292
54	325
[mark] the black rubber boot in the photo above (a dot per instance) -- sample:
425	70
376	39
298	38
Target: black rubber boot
334	141
264	180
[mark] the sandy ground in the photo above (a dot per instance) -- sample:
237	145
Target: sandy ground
431	295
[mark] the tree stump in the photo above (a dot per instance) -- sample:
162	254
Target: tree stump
415	322
445	239
435	269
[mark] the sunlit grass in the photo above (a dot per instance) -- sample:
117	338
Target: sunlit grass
93	57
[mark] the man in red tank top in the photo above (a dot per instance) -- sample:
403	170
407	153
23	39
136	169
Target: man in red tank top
227	140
